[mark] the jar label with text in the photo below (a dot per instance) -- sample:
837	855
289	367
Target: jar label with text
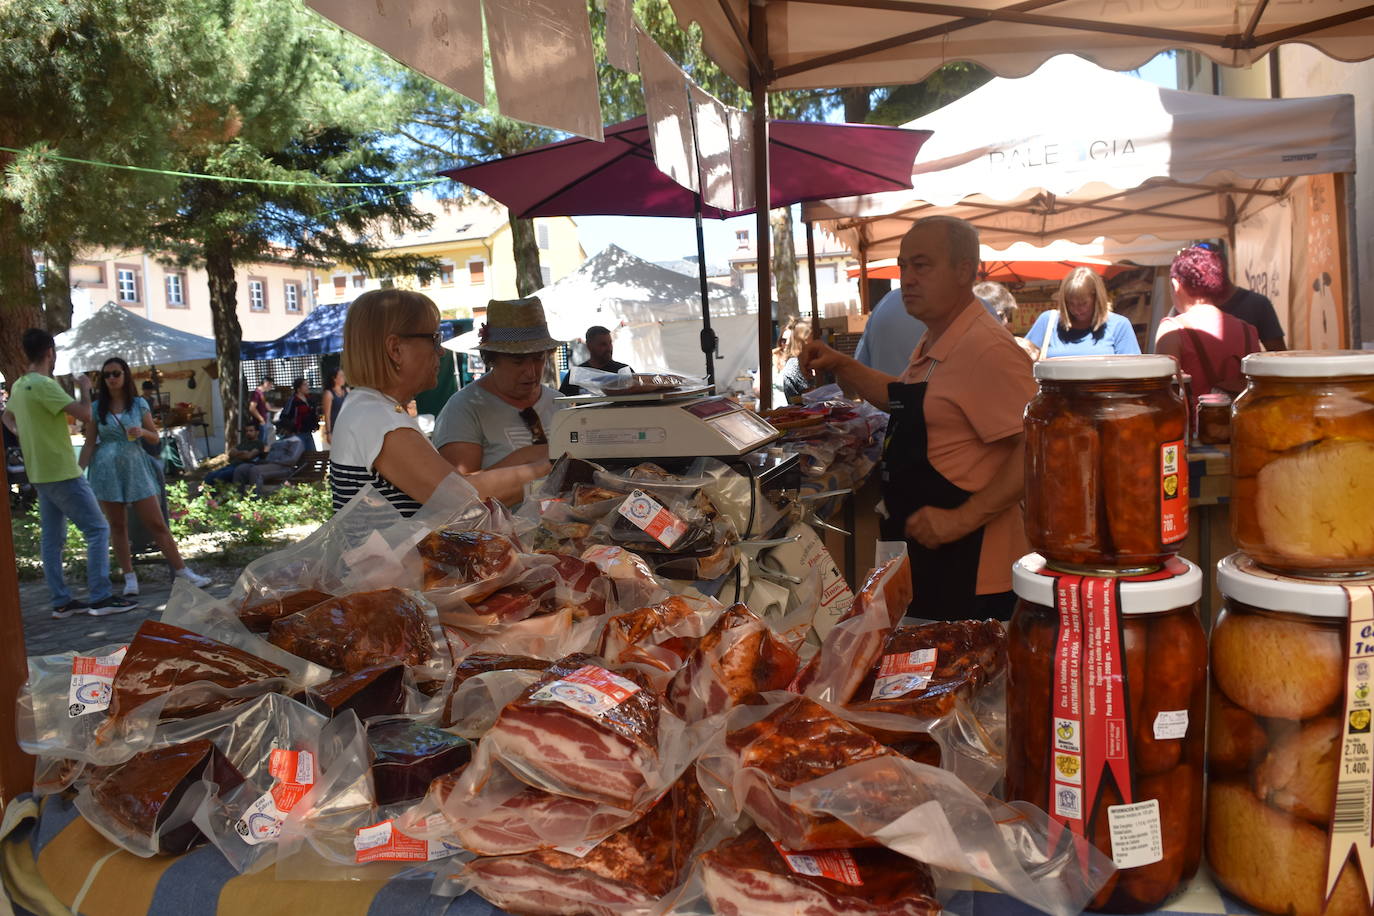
1173	492
1352	818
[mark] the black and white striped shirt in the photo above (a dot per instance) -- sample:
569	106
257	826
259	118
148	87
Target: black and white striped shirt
364	420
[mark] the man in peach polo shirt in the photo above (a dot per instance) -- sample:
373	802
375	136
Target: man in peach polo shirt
953	471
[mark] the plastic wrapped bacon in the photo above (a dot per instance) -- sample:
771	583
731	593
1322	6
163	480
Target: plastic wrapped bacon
625	874
925	669
260	616
740	657
476	563
661	635
856	642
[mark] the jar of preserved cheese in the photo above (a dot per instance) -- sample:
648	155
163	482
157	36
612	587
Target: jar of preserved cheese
1141	661
1106	463
1302	455
1276	735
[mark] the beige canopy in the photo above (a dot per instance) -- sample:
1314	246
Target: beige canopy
814	44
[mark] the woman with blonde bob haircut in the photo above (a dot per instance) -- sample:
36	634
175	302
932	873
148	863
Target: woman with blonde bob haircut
391	354
1084	324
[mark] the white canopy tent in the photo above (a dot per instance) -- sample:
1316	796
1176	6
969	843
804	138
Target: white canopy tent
653	312
1078	153
113	330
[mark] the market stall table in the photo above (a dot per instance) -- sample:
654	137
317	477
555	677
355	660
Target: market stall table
53	860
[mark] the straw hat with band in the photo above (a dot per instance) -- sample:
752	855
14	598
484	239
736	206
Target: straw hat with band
516	326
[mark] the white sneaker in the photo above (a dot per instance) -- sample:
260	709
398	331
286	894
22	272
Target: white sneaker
131	585
195	578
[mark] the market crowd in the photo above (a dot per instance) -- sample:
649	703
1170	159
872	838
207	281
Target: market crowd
936	355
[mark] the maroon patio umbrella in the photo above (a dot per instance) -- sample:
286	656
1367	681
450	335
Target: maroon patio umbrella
579	177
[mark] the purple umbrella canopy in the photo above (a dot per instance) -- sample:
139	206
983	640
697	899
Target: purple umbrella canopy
578	177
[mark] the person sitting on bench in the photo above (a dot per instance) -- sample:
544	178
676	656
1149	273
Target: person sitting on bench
250	450
280	462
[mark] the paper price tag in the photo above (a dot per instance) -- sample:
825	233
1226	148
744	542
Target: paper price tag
590	689
294	772
1136	836
835	864
1170	724
384	843
92	676
903	673
648	514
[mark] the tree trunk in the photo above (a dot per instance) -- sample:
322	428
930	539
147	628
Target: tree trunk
784	265
57	290
224	295
858	102
19	308
526	246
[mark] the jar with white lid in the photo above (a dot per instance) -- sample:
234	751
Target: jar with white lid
1160	724
1106	463
1302	441
1276	733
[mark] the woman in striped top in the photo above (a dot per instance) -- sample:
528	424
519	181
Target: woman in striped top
391	354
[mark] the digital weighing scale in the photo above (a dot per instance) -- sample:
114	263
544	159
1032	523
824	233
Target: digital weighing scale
671	424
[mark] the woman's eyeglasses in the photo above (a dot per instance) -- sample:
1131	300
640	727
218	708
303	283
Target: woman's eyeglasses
436	338
117	373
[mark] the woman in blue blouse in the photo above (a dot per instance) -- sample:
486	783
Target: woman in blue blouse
1084	324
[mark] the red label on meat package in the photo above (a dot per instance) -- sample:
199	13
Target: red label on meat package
590	689
835	864
648	514
1173	492
904	672
295	774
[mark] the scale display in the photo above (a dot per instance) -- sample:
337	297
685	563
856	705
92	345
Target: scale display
711	426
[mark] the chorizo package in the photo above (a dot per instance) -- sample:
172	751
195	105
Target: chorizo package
813	780
1106	463
1106	725
1289	747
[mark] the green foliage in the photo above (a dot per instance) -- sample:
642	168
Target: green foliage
215	524
230	518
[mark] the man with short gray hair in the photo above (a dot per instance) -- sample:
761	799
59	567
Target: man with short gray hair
953	457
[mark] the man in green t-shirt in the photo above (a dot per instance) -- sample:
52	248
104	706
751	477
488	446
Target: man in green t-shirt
37	412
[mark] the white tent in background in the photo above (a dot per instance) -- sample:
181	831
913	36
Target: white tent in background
179	355
654	313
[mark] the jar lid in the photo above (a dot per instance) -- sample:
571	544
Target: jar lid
1180	587
1309	363
1102	368
1214	399
1239	577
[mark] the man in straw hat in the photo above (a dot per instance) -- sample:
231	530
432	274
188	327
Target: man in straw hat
501	419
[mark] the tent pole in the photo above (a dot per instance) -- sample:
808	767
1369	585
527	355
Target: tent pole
758	93
708	336
811	278
1350	263
864	305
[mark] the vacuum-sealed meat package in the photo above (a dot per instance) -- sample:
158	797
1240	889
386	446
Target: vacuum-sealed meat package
625	874
584	730
740	657
856	642
407	756
260	616
358	631
137	804
379	690
924	669
751	874
660	635
475	562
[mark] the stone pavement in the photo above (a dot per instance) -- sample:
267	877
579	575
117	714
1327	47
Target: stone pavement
45	636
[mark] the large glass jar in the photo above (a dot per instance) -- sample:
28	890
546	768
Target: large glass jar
1164	670
1274	743
1106	463
1302	455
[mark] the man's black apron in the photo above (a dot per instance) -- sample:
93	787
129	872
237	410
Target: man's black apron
944	580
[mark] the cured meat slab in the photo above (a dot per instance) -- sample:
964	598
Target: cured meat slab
748	876
740	657
590	741
359	631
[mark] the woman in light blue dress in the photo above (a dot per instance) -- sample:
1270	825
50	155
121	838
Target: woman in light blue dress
121	472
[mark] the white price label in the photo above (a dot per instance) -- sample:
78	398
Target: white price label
1136	835
1170	724
92	677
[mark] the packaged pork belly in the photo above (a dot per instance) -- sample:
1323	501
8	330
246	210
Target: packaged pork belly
853	645
814	781
739	657
658	638
626	874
